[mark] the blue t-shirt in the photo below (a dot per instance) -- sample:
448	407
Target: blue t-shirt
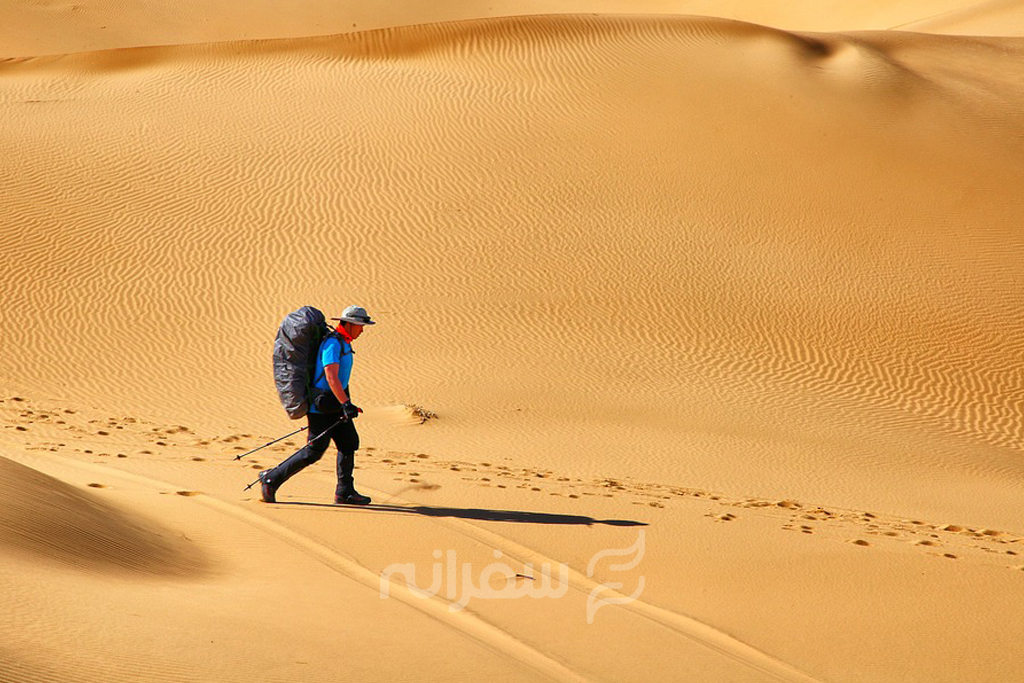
332	350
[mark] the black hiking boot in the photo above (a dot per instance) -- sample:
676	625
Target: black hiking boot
267	489
351	498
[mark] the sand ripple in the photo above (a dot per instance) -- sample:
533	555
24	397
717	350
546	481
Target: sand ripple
673	225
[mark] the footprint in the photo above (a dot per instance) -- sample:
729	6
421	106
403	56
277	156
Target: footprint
860	542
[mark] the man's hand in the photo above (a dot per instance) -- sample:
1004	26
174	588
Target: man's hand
350	411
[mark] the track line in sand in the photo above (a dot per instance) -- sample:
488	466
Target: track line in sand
485	634
488	635
696	631
688	627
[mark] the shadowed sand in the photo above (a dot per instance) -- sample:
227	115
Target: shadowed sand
47	519
754	292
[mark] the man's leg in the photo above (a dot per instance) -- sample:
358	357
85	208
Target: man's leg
346	438
273	478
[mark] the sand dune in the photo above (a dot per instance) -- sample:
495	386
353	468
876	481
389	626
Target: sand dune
588	170
754	291
48	519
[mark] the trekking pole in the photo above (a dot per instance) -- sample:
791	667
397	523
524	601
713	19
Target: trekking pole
342	419
270	443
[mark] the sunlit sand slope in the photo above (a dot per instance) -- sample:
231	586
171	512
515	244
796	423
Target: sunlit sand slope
684	249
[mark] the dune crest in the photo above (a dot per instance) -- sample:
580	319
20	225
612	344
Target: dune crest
44	28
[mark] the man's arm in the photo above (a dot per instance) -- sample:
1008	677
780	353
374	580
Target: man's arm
331	372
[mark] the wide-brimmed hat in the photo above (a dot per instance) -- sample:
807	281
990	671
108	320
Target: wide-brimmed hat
356	315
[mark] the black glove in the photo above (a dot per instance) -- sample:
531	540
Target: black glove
350	411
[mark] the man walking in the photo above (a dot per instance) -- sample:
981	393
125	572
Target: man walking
331	414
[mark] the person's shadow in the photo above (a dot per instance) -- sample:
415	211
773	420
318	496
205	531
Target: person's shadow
519	516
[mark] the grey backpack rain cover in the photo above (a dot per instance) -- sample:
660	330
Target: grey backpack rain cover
298	341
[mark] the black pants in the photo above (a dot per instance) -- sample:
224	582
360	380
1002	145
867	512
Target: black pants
345	438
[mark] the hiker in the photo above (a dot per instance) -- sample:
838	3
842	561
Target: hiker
331	413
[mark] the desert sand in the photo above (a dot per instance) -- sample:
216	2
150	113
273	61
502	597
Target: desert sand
715	310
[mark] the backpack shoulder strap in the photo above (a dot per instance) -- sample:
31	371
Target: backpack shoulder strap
332	334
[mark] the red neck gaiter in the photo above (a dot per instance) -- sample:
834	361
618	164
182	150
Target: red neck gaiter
344	334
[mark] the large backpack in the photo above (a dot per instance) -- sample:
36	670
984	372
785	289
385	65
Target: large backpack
295	351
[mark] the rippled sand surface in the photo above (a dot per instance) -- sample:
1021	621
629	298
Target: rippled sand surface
754	291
